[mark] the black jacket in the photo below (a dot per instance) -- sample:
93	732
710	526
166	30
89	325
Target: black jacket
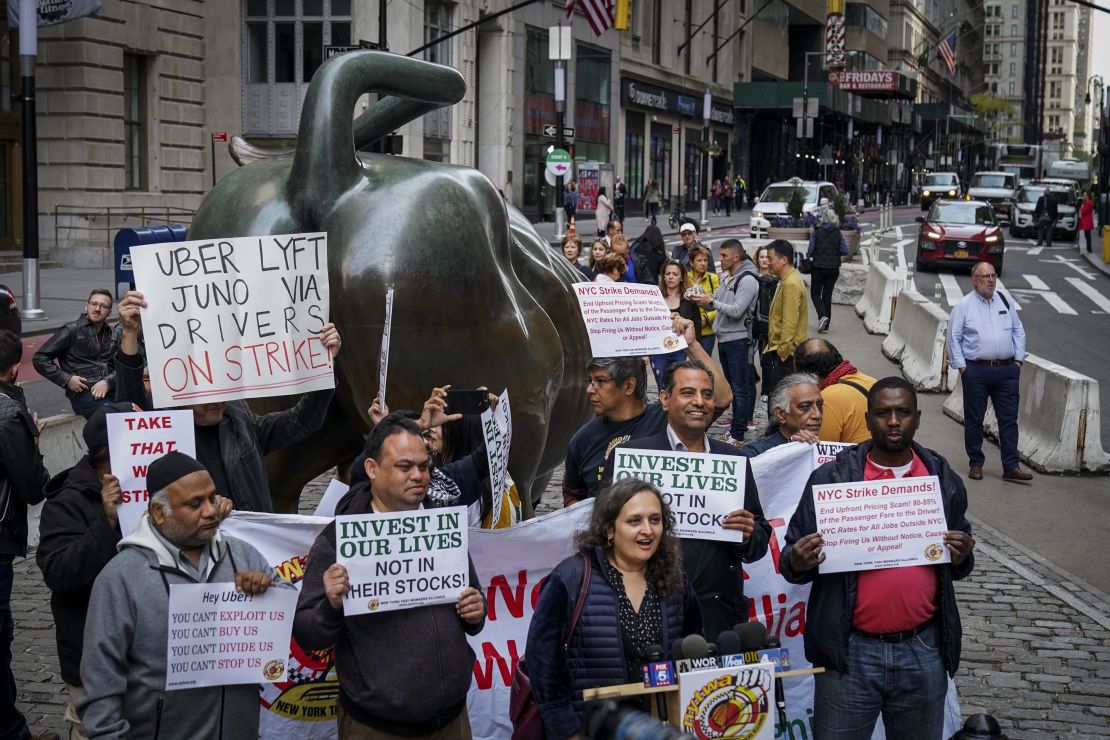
653	259
76	543
824	251
405	672
22	474
640	268
78	351
833	598
713	567
1046	204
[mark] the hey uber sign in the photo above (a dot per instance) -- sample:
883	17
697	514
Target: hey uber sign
235	318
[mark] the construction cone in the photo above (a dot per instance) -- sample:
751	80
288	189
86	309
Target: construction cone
571	231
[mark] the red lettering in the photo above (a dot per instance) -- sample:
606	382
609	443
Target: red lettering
138	471
490	656
512	596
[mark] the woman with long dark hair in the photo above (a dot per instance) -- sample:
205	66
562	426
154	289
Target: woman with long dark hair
672	281
650	246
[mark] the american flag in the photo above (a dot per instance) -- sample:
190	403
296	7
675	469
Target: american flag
599	13
947	52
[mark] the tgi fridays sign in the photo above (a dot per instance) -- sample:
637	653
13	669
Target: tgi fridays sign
865	80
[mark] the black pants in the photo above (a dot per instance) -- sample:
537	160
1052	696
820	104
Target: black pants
1044	232
774	370
12	724
1087	236
822	280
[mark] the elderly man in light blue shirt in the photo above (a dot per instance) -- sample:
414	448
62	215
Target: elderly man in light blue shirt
986	343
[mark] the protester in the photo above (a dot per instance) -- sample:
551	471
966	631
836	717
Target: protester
571	246
636	596
231	440
1087	217
650	246
635	266
652	198
688	232
701	282
22	479
611	269
986	343
78	357
734	303
612	228
713	567
827	249
796	411
768	284
598	250
123	664
616	388
603	210
672	284
788	319
843	388
886	638
402	672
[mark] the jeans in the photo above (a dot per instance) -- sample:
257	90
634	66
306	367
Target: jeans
774	370
653	211
822	280
660	363
737	366
905	682
85	405
706	341
12	723
1002	385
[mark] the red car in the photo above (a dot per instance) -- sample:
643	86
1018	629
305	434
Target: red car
959	232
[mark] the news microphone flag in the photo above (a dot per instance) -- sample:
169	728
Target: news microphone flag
780	657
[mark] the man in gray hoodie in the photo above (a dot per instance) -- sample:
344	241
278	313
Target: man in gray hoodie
734	303
123	664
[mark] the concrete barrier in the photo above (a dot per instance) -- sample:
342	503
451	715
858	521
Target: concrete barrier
880	295
1058	419
61	445
916	341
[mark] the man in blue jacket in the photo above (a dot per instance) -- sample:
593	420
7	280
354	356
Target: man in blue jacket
886	638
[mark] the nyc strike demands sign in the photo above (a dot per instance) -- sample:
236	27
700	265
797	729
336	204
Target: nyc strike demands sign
701	489
403	559
235	318
135	441
626	320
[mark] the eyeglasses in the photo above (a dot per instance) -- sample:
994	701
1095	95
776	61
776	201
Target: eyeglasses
991	276
100	306
597	382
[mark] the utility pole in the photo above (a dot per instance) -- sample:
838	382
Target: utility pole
706	110
28	50
558	50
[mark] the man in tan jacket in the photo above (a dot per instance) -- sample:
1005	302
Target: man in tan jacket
789	318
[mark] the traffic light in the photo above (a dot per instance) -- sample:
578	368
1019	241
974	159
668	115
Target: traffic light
623	16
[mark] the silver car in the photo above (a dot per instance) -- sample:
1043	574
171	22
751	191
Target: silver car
1067	225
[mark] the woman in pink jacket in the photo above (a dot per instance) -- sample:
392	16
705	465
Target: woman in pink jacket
1087	217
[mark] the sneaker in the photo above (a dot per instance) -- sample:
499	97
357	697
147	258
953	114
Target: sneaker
752	425
763	399
823	325
733	441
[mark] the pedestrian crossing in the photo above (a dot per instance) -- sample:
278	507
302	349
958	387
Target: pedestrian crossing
1026	289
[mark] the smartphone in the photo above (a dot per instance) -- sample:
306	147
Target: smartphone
467	402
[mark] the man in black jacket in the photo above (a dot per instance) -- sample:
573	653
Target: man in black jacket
798	410
1045	214
83	352
404	672
887	638
713	567
22	478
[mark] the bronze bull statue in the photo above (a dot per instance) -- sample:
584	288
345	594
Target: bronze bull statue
480	298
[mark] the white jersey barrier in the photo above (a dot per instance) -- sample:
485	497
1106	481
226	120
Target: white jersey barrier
916	341
1058	419
880	294
61	445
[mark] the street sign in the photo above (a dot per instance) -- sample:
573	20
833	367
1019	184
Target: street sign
558	162
811	106
219	137
826	155
334	51
804	128
550	130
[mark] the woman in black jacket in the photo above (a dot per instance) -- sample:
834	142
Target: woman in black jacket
650	246
672	284
636	597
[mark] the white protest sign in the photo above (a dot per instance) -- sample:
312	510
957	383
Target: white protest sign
625	320
235	318
332	494
701	488
824	452
881	524
497	428
219	636
134	441
729	702
383	359
403	559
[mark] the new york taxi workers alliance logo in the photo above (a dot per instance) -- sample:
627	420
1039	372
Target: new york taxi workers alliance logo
730	706
933	551
670	342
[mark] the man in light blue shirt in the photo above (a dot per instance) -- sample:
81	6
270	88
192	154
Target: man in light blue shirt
986	343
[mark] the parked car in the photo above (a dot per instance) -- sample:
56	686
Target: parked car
959	233
773	200
997	188
9	312
939	185
1067	225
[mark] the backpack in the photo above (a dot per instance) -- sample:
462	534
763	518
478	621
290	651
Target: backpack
749	315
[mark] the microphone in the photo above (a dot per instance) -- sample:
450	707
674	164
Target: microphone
658	672
752	635
696	657
676	649
728	643
772	645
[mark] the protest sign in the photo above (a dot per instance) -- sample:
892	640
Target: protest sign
134	441
219	636
729	702
625	320
383	358
824	452
403	559
335	491
881	524
701	488
235	318
497	428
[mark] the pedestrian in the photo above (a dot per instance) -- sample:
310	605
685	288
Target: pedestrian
713	567
672	284
1045	213
688	232
734	302
571	246
1087	218
78	357
123	662
636	268
570	200
768	284
603	211
601	609
797	409
598	250
827	249
620	193
612	228
650	246
889	638
843	388
22	479
700	281
741	187
986	343
611	269
715	195
652	197
788	318
403	672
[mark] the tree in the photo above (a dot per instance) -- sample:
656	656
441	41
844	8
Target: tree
994	110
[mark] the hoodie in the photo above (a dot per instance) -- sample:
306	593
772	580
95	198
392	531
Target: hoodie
403	672
123	666
734	302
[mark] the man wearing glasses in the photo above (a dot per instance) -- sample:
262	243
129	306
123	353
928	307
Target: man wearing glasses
79	357
986	343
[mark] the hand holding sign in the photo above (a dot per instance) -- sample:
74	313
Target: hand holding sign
741	520
336	585
253	582
471	606
110	495
806	553
960	544
329	335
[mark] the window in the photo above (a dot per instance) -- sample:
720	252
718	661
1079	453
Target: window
1013	50
134	122
1013	68
634	153
591	108
1011	92
858	15
657	32
1015	11
437	124
1013	29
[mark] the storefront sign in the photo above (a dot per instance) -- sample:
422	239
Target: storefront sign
666	100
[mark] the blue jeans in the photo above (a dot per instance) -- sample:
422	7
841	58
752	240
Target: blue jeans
707	343
660	363
12	723
1001	384
905	682
736	363
85	405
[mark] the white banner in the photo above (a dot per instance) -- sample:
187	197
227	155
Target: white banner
497	428
219	636
383	358
824	452
134	441
235	318
701	488
625	320
729	702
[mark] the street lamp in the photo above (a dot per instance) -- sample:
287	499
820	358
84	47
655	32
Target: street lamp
805	99
706	110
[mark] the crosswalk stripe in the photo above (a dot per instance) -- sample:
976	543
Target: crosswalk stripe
998	285
1058	303
1034	251
1088	290
952	292
1035	282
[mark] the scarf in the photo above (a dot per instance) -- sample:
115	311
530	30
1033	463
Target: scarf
838	372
